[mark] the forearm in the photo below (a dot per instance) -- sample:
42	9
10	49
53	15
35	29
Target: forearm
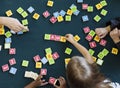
84	52
31	85
2	20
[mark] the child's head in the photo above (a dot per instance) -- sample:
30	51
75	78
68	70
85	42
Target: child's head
81	74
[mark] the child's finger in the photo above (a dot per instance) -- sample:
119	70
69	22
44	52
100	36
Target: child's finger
43	84
23	27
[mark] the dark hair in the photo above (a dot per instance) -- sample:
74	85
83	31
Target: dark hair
84	75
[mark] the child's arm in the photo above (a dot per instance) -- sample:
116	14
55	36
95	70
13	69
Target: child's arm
102	32
110	25
12	24
36	83
80	48
31	85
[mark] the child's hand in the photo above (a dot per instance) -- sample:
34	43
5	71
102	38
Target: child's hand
62	83
114	34
70	38
36	83
101	32
39	82
13	24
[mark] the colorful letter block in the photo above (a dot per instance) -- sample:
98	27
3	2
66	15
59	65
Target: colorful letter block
48	51
98	6
25	22
52	80
92	44
85	18
24	14
46	14
8	34
69	12
103	42
92	33
44	60
60	18
12	51
7	45
36	16
89	37
9	13
100	55
104	12
12	61
91	51
51	61
50	3
67	18
5	67
84	6
38	65
68	51
25	63
99	62
62	39
53	20
43	72
20	10
13	70
86	29
47	37
114	51
97	18
36	58
97	38
55	55
30	9
76	38
90	9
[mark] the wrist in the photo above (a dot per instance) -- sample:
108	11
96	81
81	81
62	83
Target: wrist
108	28
31	85
116	40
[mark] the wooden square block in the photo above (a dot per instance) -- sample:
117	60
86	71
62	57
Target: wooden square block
99	62
12	51
97	38
25	63
97	18
76	38
9	13
12	61
68	51
62	39
69	12
5	67
114	51
60	19
38	65
98	6
50	3
36	16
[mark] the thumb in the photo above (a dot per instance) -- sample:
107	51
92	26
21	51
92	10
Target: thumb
24	28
